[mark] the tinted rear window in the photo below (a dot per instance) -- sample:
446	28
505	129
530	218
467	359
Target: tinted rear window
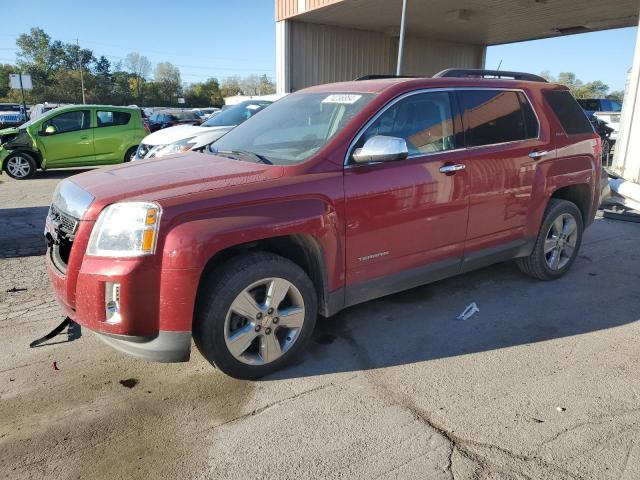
107	118
571	116
496	116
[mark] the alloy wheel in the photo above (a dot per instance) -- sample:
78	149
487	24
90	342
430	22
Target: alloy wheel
560	242
264	321
18	167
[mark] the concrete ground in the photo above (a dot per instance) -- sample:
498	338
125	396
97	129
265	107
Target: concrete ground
542	383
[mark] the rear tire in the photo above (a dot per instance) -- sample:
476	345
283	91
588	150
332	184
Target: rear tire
131	153
20	166
557	244
254	315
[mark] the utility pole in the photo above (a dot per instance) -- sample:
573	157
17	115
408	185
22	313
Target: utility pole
81	76
24	105
401	39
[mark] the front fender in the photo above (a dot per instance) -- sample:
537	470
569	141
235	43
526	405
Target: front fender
193	242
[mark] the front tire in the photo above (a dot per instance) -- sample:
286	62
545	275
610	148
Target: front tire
20	166
557	243
130	155
254	315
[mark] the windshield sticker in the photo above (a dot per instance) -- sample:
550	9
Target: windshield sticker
253	107
342	98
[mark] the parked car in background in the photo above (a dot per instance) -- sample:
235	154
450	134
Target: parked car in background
604	109
11	115
186	137
334	195
72	136
170	118
40	109
205	113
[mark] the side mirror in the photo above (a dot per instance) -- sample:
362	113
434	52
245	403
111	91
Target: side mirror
50	130
381	148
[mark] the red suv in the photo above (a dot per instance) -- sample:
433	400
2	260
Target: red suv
334	195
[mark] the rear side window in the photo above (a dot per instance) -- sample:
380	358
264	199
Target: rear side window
109	119
496	116
571	116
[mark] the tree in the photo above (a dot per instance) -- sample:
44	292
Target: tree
167	82
267	86
231	87
140	67
204	94
5	71
617	95
102	93
595	89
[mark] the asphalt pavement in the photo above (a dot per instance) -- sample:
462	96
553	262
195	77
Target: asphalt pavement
541	383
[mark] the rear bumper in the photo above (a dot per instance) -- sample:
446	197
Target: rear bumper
166	347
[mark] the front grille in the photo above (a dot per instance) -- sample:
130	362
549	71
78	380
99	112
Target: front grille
66	223
10	118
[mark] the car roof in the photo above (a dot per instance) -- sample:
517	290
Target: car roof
380	85
67	108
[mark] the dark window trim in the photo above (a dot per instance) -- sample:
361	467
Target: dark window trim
390	103
43	127
113	124
569	135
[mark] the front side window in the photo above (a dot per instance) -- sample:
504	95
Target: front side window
423	120
69	121
492	116
294	128
108	118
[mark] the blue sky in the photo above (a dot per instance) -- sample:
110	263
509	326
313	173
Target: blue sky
225	37
605	56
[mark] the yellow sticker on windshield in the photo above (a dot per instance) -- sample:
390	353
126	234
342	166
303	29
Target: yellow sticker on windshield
346	98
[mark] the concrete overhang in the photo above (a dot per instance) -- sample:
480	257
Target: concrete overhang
480	22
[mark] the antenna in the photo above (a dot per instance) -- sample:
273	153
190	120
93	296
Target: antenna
499	65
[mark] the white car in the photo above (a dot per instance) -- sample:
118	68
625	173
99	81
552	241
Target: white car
183	138
606	110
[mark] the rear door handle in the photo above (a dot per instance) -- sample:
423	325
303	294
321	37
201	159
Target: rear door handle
84	138
539	154
452	168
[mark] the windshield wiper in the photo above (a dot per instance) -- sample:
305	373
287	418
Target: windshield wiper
244	153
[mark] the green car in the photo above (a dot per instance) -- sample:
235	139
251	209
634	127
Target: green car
73	136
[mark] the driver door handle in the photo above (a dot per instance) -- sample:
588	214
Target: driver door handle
452	168
540	154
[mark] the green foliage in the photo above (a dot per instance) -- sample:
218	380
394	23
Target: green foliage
55	70
595	89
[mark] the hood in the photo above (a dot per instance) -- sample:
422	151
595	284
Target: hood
157	179
180	132
9	131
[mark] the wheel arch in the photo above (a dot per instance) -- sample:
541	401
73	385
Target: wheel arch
580	195
302	249
36	156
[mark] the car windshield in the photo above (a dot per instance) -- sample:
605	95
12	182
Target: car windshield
235	115
9	108
294	128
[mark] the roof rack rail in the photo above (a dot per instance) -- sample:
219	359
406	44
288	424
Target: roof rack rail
379	76
480	73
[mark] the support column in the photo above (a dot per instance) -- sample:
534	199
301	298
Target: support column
283	57
626	161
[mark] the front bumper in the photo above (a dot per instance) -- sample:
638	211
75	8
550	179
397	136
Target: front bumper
166	347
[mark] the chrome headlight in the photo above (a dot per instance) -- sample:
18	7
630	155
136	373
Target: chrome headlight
176	147
127	229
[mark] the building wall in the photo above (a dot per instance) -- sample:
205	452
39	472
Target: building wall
290	8
324	53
